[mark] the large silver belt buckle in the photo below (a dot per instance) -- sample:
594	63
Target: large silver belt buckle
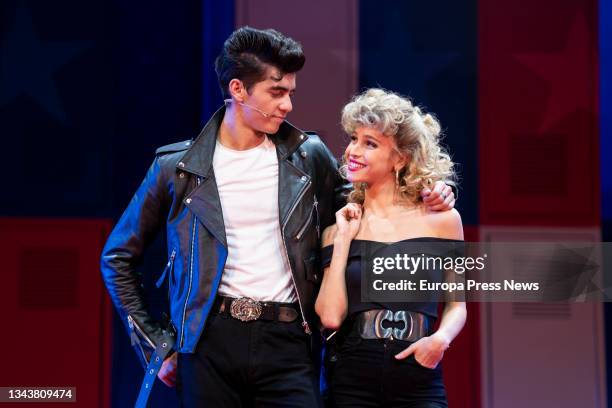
396	332
245	309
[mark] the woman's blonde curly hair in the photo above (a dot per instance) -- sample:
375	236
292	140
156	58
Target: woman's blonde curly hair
416	135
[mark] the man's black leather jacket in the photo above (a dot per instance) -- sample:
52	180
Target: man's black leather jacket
179	193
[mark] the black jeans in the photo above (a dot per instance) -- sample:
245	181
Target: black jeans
248	364
366	374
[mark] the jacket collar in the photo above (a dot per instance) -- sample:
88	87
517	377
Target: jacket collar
198	159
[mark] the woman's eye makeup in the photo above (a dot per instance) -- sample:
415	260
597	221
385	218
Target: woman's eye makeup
368	142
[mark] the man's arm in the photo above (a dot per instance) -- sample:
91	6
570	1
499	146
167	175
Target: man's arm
124	250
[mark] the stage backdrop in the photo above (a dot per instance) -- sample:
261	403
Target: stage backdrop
522	88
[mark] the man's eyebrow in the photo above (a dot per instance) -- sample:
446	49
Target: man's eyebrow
281	88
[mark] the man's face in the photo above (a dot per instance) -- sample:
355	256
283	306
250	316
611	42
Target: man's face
271	96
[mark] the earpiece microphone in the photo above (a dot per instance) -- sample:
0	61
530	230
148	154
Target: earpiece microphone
262	113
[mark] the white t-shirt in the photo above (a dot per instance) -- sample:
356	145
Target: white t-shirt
257	266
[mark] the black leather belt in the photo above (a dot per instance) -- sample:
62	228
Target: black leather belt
385	324
247	309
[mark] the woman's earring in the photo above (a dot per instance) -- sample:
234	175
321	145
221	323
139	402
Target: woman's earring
397	180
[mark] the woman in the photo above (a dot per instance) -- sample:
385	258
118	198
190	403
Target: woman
393	154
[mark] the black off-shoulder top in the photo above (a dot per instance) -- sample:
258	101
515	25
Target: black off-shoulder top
353	278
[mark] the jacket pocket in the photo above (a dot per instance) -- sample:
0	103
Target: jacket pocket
311	270
314	214
167	270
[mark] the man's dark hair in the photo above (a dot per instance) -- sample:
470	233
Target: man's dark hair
247	51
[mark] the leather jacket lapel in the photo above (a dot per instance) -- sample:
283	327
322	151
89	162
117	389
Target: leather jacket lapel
292	182
288	139
204	200
205	203
198	159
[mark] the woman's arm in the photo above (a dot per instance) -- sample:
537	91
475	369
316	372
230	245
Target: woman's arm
429	350
332	301
449	226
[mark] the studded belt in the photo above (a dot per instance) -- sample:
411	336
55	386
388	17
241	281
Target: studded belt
399	325
157	358
247	309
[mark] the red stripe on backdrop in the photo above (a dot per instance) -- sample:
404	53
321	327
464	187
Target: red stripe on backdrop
462	360
56	311
538	130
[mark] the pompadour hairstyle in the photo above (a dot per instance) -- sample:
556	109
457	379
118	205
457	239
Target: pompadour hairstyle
247	51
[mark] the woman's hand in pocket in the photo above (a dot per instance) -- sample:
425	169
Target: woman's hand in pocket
427	351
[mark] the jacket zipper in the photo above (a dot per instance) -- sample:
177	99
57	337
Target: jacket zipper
168	268
133	325
315	207
193	230
297	292
305	226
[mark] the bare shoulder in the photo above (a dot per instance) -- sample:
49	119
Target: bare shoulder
447	224
329	233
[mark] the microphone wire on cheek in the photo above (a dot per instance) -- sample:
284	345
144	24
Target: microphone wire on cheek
262	113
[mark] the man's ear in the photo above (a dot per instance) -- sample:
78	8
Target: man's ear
236	89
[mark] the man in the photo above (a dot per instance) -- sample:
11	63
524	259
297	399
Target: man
243	206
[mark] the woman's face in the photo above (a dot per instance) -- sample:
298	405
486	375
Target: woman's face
371	157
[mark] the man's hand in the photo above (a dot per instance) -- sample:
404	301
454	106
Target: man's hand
427	351
441	198
167	372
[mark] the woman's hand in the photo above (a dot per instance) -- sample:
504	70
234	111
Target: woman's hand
427	351
348	219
